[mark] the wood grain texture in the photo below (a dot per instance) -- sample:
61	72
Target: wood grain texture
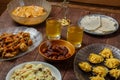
100	2
3	5
65	67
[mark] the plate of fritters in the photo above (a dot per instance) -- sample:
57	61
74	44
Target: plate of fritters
17	41
97	62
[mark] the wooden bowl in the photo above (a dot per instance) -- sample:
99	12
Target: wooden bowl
47	48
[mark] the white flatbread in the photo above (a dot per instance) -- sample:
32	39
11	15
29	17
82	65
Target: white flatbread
107	25
90	22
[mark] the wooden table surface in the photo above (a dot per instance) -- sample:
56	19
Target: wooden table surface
65	67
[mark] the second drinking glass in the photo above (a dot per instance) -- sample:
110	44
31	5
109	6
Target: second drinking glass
75	35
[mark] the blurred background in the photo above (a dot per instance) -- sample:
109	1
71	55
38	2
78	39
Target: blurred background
101	3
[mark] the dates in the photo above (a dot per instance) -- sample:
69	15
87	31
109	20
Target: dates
56	52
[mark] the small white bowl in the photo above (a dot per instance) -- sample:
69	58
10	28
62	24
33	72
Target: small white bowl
55	72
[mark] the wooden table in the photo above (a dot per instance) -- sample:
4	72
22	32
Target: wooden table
65	67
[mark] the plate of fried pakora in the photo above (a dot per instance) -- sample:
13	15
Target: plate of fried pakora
97	62
17	41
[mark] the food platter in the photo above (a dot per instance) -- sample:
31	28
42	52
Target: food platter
55	72
82	55
98	24
35	35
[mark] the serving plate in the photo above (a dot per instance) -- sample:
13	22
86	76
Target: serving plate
94	32
55	72
35	35
82	55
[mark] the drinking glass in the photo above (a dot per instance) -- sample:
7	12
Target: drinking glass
64	6
75	35
53	28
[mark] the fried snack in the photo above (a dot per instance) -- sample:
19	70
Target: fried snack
85	66
13	44
64	22
33	72
115	73
95	58
112	63
100	70
97	78
29	11
106	53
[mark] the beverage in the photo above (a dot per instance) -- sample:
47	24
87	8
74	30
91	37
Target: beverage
53	28
75	35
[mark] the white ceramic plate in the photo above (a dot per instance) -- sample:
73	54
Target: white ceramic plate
55	72
94	32
35	35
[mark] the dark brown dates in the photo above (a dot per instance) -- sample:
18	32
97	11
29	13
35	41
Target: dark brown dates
56	52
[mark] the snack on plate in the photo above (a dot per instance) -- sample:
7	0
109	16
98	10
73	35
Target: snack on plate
97	78
91	22
115	73
98	24
29	11
85	66
33	72
100	70
12	44
95	58
112	63
100	67
64	22
106	53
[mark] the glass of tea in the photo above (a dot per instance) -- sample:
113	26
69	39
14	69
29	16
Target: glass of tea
75	35
53	28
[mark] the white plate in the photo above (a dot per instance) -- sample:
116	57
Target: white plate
55	72
94	32
35	35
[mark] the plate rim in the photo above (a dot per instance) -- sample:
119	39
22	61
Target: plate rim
24	27
50	66
102	15
100	44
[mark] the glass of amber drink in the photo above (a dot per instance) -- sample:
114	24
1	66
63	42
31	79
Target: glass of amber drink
53	28
75	35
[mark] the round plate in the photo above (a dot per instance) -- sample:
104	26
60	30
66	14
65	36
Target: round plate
83	54
35	35
116	25
55	72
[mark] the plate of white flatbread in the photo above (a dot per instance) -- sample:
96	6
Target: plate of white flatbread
98	24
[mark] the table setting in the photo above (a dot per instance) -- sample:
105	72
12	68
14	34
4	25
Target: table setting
40	40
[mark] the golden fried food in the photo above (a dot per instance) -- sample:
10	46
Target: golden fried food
106	53
85	66
64	22
115	73
96	78
13	44
100	70
112	62
29	11
95	58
